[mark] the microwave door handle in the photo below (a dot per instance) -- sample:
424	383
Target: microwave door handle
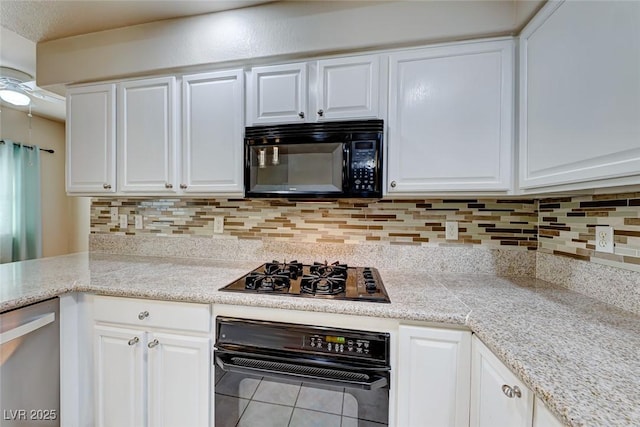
346	168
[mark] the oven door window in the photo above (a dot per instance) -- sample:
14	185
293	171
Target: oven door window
297	168
257	401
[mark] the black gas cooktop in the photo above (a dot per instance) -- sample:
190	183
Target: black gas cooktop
317	280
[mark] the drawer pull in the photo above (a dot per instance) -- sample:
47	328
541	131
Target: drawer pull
511	392
153	343
134	341
143	315
106	186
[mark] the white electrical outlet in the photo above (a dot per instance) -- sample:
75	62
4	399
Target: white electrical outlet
604	239
124	221
114	214
139	223
218	224
451	230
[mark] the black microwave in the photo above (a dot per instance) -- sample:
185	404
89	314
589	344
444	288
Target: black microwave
314	160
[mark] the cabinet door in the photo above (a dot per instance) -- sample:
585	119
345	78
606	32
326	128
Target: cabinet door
542	417
492	403
179	377
348	88
433	377
91	139
146	135
212	151
278	94
580	95
450	118
119	376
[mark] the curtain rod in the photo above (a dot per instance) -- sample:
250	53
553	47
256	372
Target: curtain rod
48	150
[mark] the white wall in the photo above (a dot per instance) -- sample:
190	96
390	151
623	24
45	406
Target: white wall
65	221
275	30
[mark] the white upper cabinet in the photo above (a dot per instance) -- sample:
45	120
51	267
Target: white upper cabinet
278	94
212	129
147	135
91	139
450	124
329	89
498	397
348	88
580	96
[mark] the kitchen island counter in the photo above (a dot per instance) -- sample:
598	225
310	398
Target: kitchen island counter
580	356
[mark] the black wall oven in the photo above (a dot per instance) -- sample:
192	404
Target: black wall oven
326	160
284	374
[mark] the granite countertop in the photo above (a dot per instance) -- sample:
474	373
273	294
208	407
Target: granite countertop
580	356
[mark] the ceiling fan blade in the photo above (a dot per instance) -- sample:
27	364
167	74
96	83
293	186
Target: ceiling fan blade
47	96
40	93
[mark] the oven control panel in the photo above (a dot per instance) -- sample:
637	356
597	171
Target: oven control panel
344	345
247	336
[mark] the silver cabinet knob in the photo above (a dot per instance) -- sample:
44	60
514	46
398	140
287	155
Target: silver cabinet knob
183	186
320	112
106	186
393	184
511	392
167	185
301	114
143	315
134	341
153	343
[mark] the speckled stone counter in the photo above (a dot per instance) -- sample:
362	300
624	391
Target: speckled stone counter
580	356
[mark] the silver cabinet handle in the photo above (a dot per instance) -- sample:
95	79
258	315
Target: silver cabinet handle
106	186
393	184
301	114
167	185
153	343
183	186
134	341
320	112
143	315
511	392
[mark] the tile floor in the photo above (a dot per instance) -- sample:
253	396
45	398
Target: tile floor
246	401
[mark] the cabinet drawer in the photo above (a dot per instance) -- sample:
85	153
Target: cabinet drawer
161	314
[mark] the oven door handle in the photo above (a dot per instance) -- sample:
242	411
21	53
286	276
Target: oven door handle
252	365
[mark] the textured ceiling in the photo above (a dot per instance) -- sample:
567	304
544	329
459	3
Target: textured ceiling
52	19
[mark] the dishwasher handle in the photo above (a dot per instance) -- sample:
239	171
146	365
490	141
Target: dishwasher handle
27	328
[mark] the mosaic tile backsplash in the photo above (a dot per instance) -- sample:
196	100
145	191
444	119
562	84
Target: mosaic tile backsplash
493	223
567	227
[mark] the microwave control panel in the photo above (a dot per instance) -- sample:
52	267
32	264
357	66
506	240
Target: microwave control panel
364	170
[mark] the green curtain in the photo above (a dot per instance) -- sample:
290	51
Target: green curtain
20	210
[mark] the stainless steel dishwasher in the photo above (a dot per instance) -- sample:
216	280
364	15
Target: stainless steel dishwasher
30	366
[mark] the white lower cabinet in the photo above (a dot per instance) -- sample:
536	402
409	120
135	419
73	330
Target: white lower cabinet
179	373
433	377
119	376
542	417
145	373
498	397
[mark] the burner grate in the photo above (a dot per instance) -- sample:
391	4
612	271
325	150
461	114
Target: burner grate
267	282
